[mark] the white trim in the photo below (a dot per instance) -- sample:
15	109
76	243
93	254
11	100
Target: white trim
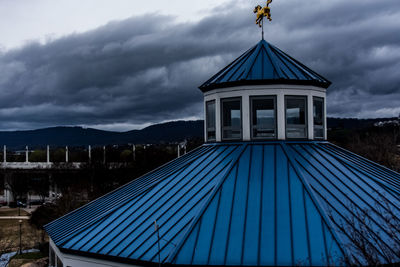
81	261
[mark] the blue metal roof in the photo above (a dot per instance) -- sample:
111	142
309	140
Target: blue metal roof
264	64
248	204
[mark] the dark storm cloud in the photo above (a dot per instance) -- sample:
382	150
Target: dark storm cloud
147	69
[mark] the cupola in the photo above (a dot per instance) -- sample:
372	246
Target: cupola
265	94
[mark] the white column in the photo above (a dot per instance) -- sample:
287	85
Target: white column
90	153
134	152
66	154
246	118
4	154
280	116
48	154
179	151
310	116
26	154
218	134
104	154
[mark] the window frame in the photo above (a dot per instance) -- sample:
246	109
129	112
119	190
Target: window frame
261	97
229	99
317	98
215	120
306	122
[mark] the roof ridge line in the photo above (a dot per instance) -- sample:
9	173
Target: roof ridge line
122	202
253	59
301	64
234	62
276	68
118	188
205	206
317	204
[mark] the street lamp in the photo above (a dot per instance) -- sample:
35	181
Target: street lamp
20	234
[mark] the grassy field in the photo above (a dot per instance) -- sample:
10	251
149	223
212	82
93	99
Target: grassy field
9	235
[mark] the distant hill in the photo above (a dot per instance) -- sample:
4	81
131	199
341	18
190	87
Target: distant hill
169	132
175	131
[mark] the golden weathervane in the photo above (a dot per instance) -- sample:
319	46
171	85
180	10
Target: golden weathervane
261	13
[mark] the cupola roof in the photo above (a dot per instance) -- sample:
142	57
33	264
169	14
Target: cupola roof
264	64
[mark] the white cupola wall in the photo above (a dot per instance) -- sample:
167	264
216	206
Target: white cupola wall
265	95
265	112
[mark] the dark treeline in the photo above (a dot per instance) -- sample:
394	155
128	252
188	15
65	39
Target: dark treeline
379	144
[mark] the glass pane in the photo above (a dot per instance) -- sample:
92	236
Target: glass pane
231	117
295	111
319	132
318	111
263	112
210	114
210	120
296	117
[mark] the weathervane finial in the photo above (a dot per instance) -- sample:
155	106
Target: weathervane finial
261	13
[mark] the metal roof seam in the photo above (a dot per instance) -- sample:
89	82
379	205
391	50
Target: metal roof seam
316	202
302	66
261	205
273	63
159	197
214	226
48	226
153	213
344	194
344	231
290	213
351	211
252	60
357	184
230	216
100	217
224	69
198	201
365	159
346	160
216	188
196	240
384	170
307	227
246	205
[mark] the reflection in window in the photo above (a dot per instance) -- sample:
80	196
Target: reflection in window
263	117
231	119
210	120
318	113
296	121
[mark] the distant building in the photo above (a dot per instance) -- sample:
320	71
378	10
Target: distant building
266	189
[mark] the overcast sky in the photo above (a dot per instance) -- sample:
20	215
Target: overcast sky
124	64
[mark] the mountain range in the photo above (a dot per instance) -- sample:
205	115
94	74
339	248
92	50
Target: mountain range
170	132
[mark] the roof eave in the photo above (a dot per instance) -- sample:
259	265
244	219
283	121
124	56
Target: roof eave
205	88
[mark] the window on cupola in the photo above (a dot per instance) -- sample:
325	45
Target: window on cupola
318	113
210	120
296	120
263	117
231	118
